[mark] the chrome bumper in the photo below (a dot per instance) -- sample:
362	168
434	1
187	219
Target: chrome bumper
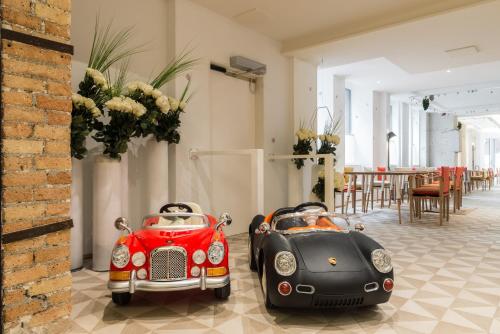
201	282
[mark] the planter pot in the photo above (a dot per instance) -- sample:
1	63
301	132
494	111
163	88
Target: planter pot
107	206
156	175
77	214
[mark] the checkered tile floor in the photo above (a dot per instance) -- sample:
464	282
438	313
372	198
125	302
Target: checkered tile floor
447	281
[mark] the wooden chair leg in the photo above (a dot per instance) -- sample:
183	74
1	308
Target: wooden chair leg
411	202
448	208
441	211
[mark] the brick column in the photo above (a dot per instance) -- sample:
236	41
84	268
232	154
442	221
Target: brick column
36	165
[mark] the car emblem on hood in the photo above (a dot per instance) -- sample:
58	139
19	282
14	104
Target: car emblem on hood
332	261
169	241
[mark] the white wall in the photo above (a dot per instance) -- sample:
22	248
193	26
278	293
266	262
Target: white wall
215	38
441	140
362	125
169	27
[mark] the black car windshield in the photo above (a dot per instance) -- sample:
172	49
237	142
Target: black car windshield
309	221
175	221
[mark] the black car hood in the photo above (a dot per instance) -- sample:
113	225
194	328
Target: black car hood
316	248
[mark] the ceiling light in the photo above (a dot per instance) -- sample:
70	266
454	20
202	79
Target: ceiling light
379	82
448	71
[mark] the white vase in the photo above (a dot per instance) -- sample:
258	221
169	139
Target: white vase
107	206
156	175
77	214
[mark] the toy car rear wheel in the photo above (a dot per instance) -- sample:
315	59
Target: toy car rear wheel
265	287
251	257
224	292
121	298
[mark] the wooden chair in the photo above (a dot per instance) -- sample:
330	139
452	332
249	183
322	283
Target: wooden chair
456	188
439	192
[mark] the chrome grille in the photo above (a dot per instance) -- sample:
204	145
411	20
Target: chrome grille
168	264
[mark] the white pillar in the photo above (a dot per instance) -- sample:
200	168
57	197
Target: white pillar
405	135
381	106
304	99
339	111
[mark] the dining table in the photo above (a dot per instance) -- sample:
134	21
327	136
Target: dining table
386	177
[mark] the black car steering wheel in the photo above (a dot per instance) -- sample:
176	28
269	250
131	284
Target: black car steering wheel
166	207
303	206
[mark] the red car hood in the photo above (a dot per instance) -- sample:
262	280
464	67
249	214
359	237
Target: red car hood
154	238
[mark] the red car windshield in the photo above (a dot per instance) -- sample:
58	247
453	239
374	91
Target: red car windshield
176	221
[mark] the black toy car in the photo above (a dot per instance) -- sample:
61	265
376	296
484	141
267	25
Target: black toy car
304	259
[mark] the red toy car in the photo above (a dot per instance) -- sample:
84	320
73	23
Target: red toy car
178	249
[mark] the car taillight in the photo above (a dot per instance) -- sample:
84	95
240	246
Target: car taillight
388	285
284	288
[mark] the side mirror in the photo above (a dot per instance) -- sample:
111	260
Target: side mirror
224	220
121	224
264	228
359	227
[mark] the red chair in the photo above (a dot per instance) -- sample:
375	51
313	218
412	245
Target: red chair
437	192
456	188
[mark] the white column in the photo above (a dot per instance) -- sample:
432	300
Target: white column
339	111
405	135
304	105
381	106
304	100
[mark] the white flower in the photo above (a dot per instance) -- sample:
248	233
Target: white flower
88	103
126	104
174	104
97	77
322	137
95	112
145	88
156	93
77	99
321	174
163	104
335	139
182	105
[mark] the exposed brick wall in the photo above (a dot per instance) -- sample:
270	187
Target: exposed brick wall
36	167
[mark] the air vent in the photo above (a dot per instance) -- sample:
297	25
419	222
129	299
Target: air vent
463	51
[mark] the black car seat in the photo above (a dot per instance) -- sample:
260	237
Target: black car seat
287	223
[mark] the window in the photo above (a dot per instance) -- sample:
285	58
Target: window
348	112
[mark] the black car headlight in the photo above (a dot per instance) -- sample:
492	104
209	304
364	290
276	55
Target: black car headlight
120	256
382	260
284	263
216	252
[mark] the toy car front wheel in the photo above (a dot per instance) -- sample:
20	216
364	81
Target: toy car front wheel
121	298
224	292
251	257
265	287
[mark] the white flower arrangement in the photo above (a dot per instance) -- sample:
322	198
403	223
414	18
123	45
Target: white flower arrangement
334	139
97	77
306	134
127	105
89	104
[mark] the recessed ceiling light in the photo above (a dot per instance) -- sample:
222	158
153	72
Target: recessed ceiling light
379	82
448	71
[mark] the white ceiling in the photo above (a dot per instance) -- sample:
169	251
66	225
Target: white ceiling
301	23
